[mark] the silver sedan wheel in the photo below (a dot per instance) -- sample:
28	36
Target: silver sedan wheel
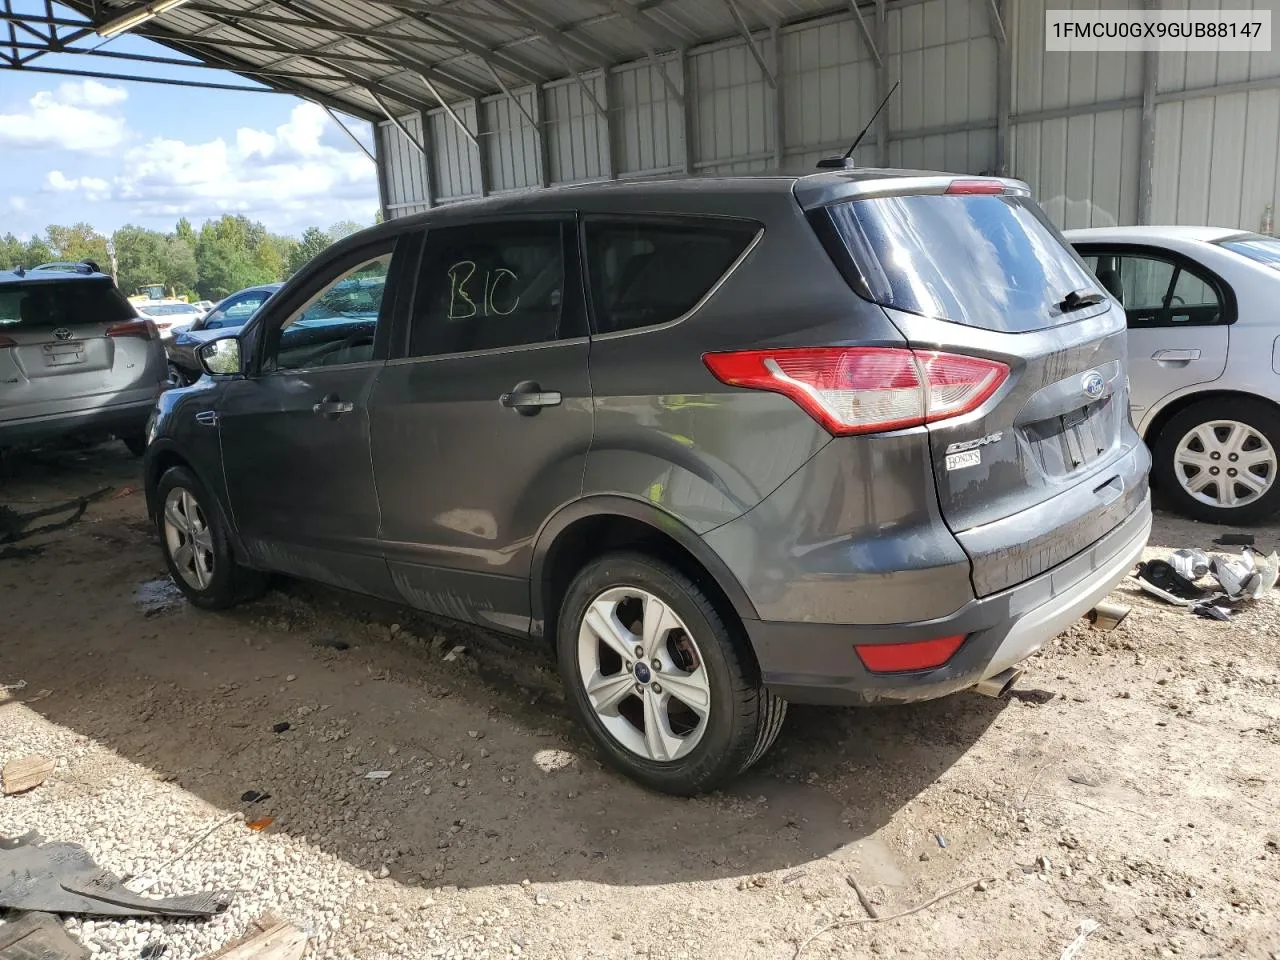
643	674
188	538
1225	463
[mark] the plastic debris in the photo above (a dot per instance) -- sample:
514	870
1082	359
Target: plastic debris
1160	579
280	727
62	878
1238	576
254	796
1268	570
1192	564
153	950
1235	540
453	654
261	823
942	841
1211	611
38	935
377	774
1072	949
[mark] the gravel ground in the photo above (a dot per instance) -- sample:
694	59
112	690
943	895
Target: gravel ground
1133	782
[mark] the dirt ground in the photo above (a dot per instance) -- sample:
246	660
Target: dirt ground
1134	781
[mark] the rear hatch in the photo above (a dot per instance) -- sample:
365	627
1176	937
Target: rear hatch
68	344
1049	463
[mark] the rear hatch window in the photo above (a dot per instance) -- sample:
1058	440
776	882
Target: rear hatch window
988	261
42	305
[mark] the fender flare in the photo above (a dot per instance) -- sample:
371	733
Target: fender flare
607	505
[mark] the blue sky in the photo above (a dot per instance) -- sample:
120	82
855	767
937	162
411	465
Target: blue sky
110	152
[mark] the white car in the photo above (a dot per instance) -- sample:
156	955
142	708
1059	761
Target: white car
1204	360
168	314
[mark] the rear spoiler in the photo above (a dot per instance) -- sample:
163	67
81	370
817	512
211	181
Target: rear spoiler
824	189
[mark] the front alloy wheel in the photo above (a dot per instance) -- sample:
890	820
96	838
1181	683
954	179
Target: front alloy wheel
643	674
188	538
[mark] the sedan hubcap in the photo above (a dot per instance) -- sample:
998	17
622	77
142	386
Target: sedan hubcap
643	674
188	537
1225	463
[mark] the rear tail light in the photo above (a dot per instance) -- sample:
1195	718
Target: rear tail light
903	657
142	329
975	187
865	389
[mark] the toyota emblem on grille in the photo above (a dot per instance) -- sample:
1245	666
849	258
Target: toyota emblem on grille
1092	384
62	333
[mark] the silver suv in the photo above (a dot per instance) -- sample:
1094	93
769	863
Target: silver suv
74	358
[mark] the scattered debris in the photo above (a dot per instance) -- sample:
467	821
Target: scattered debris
269	938
1028	695
793	876
1084	779
863	899
254	796
1238	576
280	727
377	774
153	950
1211	611
26	773
124	492
144	882
15	526
967	885
38	936
1235	540
261	823
453	654
62	878
1072	949
19	685
1160	579
1190	563
942	841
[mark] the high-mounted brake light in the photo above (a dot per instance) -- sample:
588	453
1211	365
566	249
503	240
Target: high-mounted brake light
142	329
903	657
853	390
975	187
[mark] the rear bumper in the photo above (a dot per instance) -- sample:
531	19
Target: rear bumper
119	418
816	662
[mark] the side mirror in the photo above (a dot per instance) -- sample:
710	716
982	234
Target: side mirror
221	357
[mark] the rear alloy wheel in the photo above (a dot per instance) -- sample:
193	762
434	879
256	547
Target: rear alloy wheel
196	547
658	678
1218	460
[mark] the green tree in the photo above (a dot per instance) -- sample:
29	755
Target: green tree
184	232
227	257
140	258
37	251
314	241
180	272
79	242
11	252
343	229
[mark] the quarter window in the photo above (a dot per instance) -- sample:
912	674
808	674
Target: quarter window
1158	292
487	286
647	272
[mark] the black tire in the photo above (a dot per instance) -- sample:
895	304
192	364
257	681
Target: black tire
743	718
228	583
178	377
136	442
1259	415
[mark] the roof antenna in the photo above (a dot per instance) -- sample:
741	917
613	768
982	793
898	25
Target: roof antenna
846	162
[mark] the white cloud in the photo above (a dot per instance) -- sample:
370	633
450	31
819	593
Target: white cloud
93	188
18	204
76	116
284	177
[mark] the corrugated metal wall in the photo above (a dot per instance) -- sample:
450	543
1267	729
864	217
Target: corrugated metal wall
1074	132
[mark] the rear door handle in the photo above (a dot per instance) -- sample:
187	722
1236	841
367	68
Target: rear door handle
207	418
332	408
528	398
1175	356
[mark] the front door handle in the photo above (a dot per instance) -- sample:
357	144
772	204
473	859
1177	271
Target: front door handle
332	408
1175	356
528	398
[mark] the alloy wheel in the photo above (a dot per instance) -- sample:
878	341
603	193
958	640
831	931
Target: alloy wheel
188	537
643	674
1225	463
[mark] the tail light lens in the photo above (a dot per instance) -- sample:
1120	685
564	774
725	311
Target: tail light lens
142	329
865	389
975	187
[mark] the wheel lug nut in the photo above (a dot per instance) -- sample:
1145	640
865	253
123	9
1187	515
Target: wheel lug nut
1215	455
626	664
1213	471
639	653
639	689
656	664
657	688
1233	457
1231	472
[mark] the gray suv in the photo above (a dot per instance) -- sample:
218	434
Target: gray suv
74	357
858	437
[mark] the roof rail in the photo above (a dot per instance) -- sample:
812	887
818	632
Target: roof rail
70	266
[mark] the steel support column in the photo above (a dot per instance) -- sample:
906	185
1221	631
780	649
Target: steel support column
482	156
687	128
882	83
775	98
1003	14
1147	129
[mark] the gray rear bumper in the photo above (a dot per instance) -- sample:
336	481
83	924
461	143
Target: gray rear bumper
119	418
816	662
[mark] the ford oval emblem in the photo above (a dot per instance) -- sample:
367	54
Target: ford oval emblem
1093	385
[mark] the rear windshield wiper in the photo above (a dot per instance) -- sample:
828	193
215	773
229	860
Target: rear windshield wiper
1078	299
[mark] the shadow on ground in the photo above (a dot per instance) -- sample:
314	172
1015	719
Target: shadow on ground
490	780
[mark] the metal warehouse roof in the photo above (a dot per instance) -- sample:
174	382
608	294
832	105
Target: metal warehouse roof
374	57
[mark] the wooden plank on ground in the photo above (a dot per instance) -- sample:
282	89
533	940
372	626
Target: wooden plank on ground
24	774
268	938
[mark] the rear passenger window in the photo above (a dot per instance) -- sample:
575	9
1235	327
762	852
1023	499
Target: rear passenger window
489	285
646	272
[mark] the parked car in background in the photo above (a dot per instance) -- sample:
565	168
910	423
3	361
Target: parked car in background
848	438
74	358
168	315
1204	360
228	316
205	305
